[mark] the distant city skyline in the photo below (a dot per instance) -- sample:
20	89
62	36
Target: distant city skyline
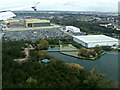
65	5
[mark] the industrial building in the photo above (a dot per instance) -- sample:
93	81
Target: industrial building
25	23
72	29
16	23
36	23
89	41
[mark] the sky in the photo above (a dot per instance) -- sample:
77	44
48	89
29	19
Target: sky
65	5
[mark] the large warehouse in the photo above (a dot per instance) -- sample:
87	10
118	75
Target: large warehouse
28	23
16	23
36	23
89	41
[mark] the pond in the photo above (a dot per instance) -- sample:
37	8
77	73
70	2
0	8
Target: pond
106	64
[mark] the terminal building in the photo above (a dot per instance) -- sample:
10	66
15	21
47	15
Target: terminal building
72	29
25	23
90	41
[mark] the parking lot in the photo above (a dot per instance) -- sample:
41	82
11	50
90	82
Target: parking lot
33	34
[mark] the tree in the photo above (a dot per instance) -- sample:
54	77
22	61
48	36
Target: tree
42	45
98	49
56	74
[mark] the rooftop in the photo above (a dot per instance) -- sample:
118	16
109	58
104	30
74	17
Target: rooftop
45	61
37	21
30	20
75	29
95	38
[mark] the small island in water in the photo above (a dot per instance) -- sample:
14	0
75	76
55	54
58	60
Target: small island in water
83	53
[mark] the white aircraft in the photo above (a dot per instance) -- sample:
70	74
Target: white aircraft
8	13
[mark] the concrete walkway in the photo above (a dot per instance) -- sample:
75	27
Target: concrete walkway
60	50
26	50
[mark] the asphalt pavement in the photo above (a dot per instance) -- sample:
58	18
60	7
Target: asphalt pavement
33	34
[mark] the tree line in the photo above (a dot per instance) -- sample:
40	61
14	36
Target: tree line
56	74
88	27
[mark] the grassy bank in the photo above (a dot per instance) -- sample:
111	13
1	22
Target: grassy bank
75	54
81	57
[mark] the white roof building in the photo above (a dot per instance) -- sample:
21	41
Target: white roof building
93	40
73	29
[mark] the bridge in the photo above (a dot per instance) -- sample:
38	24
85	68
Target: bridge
60	50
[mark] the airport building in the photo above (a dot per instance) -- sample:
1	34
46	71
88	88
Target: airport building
72	29
16	23
90	41
25	23
36	23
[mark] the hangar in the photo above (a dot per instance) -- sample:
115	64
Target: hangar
72	29
36	23
25	23
90	41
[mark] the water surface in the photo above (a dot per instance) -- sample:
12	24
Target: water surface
106	64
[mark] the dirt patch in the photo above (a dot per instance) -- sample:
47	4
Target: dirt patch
75	65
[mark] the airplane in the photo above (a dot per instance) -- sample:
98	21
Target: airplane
8	13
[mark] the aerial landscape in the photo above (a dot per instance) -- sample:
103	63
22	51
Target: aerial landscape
66	47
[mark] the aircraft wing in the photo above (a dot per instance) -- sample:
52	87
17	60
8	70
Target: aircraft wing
18	8
7	13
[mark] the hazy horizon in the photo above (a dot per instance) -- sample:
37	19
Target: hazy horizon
69	11
65	5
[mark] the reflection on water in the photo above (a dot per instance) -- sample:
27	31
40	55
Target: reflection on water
106	64
69	47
